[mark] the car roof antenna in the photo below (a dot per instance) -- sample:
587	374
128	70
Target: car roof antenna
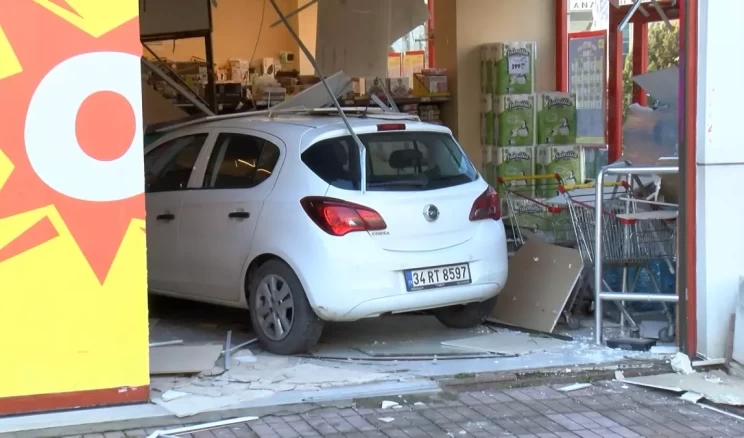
314	63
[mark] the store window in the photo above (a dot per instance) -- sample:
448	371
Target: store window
240	161
415	40
168	167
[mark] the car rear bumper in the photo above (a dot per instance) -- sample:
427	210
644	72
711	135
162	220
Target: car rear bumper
371	281
422	300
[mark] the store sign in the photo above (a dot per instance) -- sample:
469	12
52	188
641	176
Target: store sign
577	6
588	5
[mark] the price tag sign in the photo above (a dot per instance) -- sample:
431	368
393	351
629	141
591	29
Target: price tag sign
519	65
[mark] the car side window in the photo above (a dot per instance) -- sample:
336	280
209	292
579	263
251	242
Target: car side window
168	167
240	161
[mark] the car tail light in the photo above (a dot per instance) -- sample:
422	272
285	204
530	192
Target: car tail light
487	206
337	217
391	127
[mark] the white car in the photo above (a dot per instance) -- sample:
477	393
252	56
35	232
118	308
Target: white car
266	212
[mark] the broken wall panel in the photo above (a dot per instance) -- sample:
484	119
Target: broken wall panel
355	35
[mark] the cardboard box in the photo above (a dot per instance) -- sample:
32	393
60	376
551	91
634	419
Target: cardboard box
430	85
374	86
358	86
399	86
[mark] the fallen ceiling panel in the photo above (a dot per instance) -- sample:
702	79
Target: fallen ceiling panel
355	35
541	279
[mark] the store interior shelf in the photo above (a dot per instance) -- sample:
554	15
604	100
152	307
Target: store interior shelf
399	100
233	106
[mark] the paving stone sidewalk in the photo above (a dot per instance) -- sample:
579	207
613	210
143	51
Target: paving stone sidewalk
607	409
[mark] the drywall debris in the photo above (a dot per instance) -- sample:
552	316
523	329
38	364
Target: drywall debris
664	349
164	343
180	359
387	419
715	386
387	404
692	397
681	364
575	387
199	427
172	395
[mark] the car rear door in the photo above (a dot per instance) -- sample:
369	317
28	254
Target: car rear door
219	219
169	168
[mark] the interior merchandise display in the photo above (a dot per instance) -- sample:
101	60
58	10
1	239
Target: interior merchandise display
431	82
430	113
488	115
399	86
412	109
515	120
565	160
488	120
489	168
516	161
514	67
191	73
359	86
375	86
489	77
239	70
556	118
268	89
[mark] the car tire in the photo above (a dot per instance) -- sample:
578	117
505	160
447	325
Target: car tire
467	316
304	328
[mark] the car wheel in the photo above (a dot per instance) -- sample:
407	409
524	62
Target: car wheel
281	315
467	316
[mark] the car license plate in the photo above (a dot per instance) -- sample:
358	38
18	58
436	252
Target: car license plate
439	276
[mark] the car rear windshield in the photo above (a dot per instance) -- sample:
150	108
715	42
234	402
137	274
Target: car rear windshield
396	161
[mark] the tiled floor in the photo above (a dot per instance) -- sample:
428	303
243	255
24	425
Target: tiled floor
607	409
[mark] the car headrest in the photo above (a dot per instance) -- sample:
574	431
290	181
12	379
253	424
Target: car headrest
406	158
341	153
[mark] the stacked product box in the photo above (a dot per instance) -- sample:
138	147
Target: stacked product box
557	150
508	110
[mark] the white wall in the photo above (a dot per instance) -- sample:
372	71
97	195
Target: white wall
720	166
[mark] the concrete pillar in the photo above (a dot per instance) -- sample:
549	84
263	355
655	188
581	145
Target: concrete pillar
462	27
720	166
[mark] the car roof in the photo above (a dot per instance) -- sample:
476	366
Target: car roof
318	125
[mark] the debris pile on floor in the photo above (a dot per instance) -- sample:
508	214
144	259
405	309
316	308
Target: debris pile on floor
196	369
715	386
512	344
249	380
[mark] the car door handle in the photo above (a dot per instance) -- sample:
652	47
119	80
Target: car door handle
166	217
239	215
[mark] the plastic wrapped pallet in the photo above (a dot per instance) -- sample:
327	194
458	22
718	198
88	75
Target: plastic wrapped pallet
565	160
556	118
514	67
515	162
515	120
488	165
488	120
488	69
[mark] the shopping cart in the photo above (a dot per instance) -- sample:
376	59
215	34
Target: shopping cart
529	209
635	232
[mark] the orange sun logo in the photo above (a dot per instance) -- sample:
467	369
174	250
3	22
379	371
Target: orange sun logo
71	140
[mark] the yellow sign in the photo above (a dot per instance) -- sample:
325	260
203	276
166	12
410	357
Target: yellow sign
9	64
96	17
72	238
